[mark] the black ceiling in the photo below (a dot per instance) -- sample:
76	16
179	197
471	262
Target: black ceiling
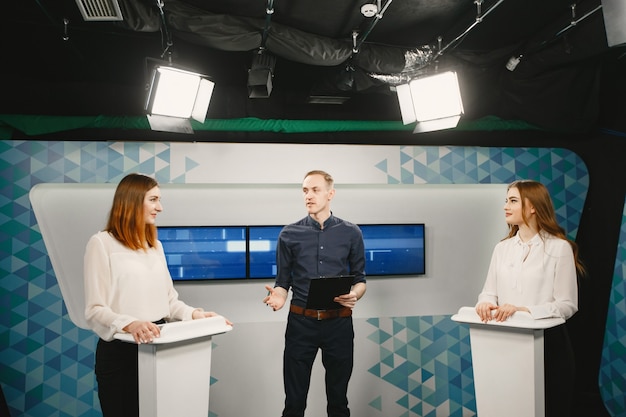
567	78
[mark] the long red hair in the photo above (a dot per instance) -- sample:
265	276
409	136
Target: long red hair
126	219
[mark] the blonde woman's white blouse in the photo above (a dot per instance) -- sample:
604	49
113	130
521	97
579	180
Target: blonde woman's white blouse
123	285
539	274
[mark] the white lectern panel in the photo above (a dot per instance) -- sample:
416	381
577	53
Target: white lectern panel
175	369
185	330
507	360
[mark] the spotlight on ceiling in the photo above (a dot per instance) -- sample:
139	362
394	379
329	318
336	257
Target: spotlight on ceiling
434	102
175	96
260	74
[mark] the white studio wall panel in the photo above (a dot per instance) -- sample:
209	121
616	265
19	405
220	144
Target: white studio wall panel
227	163
463	223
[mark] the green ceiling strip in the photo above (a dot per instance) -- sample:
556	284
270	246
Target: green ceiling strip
35	125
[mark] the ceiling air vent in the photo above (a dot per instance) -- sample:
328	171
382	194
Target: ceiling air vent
100	10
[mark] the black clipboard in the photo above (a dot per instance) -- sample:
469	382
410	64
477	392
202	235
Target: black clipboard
323	290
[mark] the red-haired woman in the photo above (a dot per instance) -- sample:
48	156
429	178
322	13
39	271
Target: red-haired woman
128	288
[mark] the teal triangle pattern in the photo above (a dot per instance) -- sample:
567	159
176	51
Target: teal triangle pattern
46	362
377	403
431	365
612	376
561	170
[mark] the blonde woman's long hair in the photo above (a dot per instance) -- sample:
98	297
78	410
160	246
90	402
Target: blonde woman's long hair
537	194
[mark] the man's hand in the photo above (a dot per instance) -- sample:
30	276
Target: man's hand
276	297
349	300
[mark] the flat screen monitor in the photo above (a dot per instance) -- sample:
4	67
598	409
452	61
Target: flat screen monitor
204	252
249	252
262	251
394	249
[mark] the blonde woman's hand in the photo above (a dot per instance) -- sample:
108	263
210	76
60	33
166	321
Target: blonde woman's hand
484	311
504	311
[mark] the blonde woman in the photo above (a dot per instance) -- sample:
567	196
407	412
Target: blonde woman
535	269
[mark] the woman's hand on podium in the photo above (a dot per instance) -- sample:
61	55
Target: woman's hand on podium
201	314
488	311
504	311
484	311
143	331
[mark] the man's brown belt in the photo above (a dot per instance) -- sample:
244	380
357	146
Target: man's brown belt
321	314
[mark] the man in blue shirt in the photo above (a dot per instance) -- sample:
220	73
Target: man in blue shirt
319	245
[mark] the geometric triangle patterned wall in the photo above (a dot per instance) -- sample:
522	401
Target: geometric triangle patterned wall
612	378
428	360
562	171
46	362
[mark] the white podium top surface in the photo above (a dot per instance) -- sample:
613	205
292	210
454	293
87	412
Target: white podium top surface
520	319
185	330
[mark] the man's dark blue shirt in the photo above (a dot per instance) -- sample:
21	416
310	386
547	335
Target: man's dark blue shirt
305	251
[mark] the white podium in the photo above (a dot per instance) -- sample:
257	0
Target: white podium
175	369
507	360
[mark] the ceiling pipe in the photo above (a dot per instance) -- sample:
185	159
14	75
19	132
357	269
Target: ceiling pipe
168	36
269	11
377	18
425	57
575	21
514	61
479	18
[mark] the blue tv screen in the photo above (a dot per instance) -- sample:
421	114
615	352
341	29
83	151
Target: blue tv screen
204	252
394	249
249	252
262	253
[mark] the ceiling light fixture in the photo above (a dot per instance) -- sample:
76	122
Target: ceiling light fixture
434	102
261	74
175	95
